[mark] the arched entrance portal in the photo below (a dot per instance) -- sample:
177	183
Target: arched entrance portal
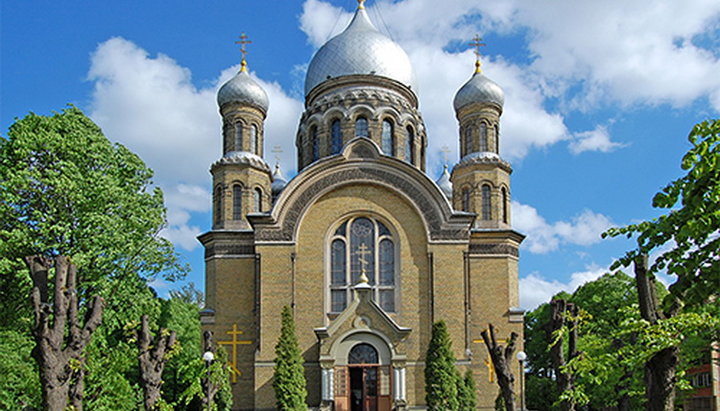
363	375
363	369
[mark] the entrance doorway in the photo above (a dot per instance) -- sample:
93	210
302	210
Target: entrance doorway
363	388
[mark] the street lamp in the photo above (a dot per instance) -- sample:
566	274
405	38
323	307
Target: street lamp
208	357
521	356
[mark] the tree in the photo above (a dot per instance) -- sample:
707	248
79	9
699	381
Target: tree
563	319
689	232
441	376
154	353
66	190
289	377
466	392
502	357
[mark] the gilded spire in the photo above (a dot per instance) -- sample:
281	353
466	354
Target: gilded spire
243	42
477	43
361	4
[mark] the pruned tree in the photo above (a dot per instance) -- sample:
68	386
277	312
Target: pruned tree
152	358
60	338
660	378
687	236
207	382
502	357
563	318
441	376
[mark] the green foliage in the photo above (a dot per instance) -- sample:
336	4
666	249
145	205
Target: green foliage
189	294
289	377
67	190
540	392
690	230
19	382
466	392
441	376
500	402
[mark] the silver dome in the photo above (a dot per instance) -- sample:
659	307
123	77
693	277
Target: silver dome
243	89
479	89
445	184
278	181
360	49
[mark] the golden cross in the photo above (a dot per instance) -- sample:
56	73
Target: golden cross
445	150
277	150
477	43
488	360
362	251
232	363
361	4
243	42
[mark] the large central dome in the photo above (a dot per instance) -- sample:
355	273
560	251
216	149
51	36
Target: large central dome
360	49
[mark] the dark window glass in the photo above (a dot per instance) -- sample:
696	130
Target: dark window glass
363	354
335	137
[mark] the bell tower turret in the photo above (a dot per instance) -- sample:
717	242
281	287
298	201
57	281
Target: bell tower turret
481	179
241	178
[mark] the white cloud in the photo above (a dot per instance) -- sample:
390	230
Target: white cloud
542	237
535	289
593	140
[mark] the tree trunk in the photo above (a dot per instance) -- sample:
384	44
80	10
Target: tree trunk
660	369
560	310
207	383
502	357
152	361
56	347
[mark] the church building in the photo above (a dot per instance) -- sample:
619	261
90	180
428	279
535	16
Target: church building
366	248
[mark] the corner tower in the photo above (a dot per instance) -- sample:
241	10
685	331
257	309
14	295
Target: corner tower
481	179
241	178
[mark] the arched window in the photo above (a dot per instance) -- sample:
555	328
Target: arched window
468	141
254	139
363	353
258	200
361	127
237	202
483	137
409	145
486	202
497	138
465	200
335	137
370	247
503	192
315	143
217	200
238	136
388	140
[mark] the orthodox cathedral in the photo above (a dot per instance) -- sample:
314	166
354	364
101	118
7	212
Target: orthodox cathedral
362	244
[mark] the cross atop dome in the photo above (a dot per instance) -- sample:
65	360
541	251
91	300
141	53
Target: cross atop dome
477	43
243	42
361	4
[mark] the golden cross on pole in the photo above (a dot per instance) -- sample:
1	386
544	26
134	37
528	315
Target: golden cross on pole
445	150
477	43
233	343
362	251
361	4
488	360
277	150
243	42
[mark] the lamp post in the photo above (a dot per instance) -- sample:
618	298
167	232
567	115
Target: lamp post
208	357
521	356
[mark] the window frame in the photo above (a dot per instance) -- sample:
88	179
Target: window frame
379	236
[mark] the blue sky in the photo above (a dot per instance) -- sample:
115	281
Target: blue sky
600	97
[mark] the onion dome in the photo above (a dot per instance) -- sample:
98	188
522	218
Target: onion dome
278	181
243	89
360	49
479	89
445	184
